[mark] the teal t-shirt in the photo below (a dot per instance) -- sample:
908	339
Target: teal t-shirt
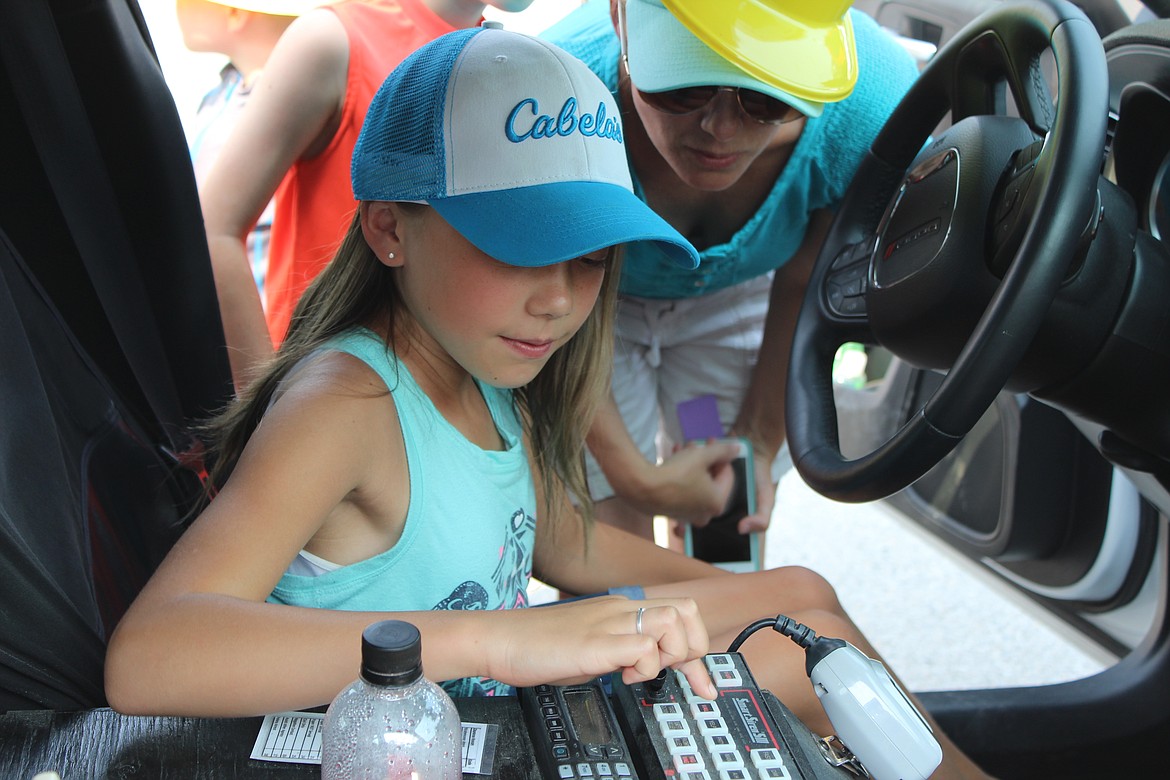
470	525
816	175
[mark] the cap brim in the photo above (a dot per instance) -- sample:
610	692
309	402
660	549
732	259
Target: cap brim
801	65
665	55
561	221
813	59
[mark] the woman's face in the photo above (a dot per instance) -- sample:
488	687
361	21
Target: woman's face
710	149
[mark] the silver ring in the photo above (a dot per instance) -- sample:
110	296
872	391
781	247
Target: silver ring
638	620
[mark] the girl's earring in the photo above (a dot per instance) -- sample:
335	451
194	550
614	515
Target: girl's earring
390	256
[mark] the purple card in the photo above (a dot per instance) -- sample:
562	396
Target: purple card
699	418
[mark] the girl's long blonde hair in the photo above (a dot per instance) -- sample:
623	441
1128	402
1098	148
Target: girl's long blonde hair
355	289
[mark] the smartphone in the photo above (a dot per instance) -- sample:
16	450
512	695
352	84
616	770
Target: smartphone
720	542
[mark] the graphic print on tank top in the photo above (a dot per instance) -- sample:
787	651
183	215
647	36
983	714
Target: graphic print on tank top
510	585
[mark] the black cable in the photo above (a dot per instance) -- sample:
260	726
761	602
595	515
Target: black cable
797	632
781	624
753	628
816	647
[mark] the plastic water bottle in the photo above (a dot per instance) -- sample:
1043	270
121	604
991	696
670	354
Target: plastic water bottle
391	723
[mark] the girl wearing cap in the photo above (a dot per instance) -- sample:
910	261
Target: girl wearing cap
293	143
745	123
412	449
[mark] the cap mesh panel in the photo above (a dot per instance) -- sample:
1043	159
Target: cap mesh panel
399	154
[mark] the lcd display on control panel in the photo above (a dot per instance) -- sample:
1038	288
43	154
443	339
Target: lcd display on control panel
587	716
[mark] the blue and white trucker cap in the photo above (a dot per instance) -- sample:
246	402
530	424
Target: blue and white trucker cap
515	143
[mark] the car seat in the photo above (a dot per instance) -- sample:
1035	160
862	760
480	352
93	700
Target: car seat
112	341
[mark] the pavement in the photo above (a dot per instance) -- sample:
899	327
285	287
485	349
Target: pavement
940	620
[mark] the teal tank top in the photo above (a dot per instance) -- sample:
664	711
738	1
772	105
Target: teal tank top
470	526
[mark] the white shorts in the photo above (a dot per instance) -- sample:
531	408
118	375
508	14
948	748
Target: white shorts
669	351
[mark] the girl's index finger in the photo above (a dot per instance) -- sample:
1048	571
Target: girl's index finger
700	679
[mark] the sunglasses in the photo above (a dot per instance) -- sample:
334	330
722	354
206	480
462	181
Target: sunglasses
765	109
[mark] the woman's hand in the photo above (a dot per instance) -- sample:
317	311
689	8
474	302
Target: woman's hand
765	493
572	642
691	486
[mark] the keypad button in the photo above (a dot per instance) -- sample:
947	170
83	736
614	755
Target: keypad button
712	726
717	662
727	759
688	762
727	678
703	708
565	771
766	757
585	770
680	745
665	711
622	769
674	728
717	742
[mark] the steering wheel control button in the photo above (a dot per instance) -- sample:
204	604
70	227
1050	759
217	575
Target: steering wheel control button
1010	215
848	280
847	299
854	253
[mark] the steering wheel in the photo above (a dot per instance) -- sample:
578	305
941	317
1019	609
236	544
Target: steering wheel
948	251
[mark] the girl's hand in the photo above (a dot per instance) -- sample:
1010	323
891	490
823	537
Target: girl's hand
567	643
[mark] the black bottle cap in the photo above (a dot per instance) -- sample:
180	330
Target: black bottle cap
391	653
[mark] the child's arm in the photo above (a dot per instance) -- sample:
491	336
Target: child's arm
291	113
201	639
610	558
